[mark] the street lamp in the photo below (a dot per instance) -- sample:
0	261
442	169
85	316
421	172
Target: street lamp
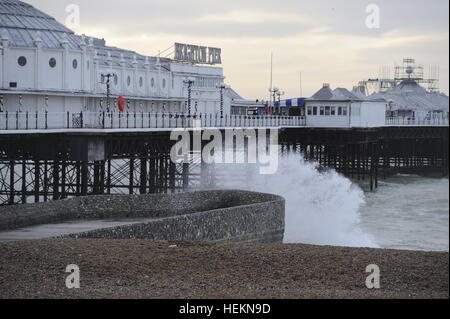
189	82
279	94
108	77
273	94
222	87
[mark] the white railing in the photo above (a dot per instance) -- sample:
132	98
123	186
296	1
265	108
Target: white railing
116	120
409	121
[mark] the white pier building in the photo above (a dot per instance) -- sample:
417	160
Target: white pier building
47	67
52	78
342	108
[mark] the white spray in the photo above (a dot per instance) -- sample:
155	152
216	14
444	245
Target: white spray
322	208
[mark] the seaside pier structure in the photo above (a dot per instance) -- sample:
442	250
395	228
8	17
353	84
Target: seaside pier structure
79	117
53	164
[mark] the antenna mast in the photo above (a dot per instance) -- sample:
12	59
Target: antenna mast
271	77
301	85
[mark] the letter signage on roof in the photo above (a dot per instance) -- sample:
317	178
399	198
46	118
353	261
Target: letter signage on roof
197	54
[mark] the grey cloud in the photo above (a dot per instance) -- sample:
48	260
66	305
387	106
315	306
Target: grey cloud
342	17
220	29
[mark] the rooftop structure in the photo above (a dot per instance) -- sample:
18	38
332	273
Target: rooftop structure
409	92
409	71
339	94
409	98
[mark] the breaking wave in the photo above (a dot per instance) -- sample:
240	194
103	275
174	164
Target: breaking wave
322	207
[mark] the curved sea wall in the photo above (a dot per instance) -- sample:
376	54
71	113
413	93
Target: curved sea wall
223	215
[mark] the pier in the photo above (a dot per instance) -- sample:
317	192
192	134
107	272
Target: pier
130	153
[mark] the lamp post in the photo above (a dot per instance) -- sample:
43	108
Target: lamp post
279	94
189	82
273	93
108	77
222	87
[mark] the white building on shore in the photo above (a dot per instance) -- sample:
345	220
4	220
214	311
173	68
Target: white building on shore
47	67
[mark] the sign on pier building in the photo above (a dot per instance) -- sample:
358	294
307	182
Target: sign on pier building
197	54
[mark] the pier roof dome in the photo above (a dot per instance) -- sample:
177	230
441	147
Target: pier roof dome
21	23
409	95
339	94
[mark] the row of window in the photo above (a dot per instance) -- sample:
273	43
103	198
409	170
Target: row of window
203	82
141	81
22	61
328	110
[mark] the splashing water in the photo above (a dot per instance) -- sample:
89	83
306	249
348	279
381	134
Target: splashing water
322	208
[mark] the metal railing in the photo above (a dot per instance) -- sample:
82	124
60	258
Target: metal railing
117	120
410	121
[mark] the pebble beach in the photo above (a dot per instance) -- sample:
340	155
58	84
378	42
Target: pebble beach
140	269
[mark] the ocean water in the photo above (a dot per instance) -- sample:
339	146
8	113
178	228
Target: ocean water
326	208
408	212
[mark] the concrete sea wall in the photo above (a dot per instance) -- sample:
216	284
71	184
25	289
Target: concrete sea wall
222	215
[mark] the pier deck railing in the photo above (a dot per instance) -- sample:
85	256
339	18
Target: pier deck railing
426	121
116	120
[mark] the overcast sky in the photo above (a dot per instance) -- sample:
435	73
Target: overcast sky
326	40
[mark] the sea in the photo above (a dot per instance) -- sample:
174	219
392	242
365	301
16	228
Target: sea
406	212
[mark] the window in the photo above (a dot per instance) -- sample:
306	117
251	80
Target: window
116	79
327	110
75	64
322	110
340	111
315	110
333	110
52	62
141	81
164	83
87	65
22	61
309	110
128	80
344	111
152	82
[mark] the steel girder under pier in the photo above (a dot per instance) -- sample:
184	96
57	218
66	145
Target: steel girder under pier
372	153
42	167
36	168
